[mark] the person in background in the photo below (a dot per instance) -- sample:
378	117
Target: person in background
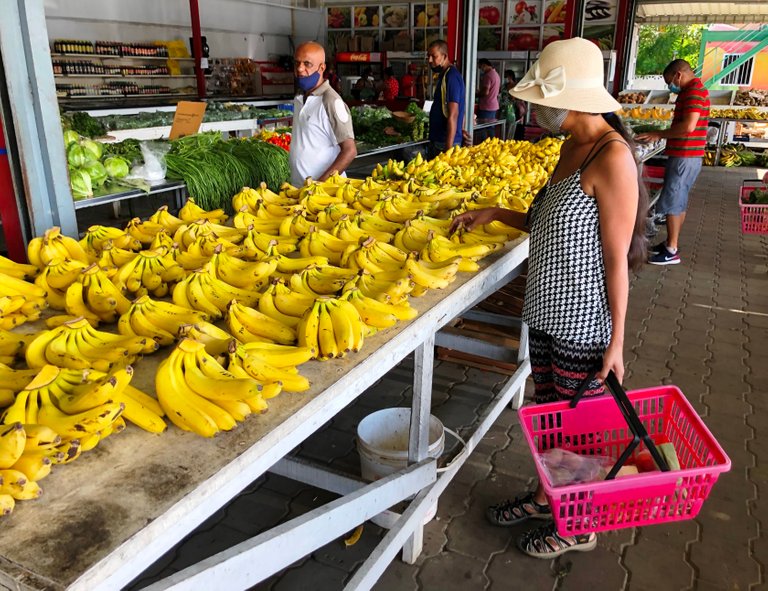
408	82
365	89
587	229
686	142
512	109
488	96
446	116
323	141
390	87
333	79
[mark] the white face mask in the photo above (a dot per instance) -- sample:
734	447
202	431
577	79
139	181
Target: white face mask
550	118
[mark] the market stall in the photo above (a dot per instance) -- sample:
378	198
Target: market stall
95	539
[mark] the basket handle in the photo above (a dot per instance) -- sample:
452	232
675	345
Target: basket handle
639	431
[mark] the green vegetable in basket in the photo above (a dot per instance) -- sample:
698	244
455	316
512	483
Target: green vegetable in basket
80	183
758	197
71	137
95	148
78	156
116	167
97	172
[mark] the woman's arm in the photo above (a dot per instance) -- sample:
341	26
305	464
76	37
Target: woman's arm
479	217
616	191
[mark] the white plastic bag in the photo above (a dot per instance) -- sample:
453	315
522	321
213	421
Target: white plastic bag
564	467
154	166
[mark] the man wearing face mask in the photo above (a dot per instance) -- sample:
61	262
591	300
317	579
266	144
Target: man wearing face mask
686	141
446	116
323	141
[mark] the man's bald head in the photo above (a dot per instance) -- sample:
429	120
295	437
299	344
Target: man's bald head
311	49
309	58
676	66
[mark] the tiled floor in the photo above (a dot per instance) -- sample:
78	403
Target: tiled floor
702	325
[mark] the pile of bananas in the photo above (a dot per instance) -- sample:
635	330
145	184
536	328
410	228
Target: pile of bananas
755	113
646	113
306	273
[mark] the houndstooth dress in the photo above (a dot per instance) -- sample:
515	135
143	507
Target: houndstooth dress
565	293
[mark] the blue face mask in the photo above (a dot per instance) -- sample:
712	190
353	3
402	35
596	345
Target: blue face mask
674	88
307	83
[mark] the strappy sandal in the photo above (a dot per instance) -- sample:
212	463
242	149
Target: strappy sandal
544	542
517	511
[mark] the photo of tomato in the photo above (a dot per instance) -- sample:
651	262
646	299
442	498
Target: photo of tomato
523	39
490	14
525	12
551	34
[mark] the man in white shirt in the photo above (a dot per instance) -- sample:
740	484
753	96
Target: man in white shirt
322	141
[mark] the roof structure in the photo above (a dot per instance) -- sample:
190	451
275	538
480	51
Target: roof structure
701	12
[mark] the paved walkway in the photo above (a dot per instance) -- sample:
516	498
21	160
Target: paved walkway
701	325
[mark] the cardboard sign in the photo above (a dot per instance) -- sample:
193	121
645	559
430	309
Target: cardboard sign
187	120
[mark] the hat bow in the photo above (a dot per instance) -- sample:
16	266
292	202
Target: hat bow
551	85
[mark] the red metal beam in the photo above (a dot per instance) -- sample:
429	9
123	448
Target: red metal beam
621	39
9	209
455	14
197	46
570	18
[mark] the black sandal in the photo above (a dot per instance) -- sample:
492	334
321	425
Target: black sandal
544	542
517	511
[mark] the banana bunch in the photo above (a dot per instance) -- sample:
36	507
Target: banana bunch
13	345
249	325
375	257
273	369
166	219
393	169
331	328
77	345
321	280
709	158
11	381
150	272
206	244
376	314
215	340
143	231
754	113
202	291
256	244
54	245
199	395
97	236
157	320
288	315
93	297
186	260
192	212
322	243
249	198
388	287
429	275
17	270
297	225
349	229
112	258
240	273
56	277
34	301
38	404
189	233
245	220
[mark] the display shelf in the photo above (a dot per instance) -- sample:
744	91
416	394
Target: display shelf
131	77
122	96
121	57
170	484
162	132
116	194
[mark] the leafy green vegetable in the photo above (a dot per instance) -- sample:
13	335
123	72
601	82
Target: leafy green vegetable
95	148
71	137
97	172
86	125
78	156
80	182
116	167
128	149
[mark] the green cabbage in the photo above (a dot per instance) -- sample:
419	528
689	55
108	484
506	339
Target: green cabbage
80	182
97	172
77	156
71	137
116	167
95	148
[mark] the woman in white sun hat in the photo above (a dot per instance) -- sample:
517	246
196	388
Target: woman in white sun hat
587	229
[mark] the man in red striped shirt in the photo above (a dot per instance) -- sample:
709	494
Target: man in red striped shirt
686	141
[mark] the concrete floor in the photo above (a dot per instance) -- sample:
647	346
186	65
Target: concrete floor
701	325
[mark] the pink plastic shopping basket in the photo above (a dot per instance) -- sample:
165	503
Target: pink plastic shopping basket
754	217
600	426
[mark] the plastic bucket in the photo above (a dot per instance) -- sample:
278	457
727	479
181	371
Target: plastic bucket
382	440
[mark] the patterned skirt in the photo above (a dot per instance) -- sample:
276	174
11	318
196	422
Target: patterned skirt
559	367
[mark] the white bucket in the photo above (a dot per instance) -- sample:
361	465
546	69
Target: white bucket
382	441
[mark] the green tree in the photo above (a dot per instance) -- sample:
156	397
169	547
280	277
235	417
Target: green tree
660	44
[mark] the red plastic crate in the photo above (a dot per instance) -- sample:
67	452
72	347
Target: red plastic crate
754	218
653	176
597	427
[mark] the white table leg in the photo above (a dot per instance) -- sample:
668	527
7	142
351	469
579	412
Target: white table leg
418	444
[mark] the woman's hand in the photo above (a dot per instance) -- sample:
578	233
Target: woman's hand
613	360
471	219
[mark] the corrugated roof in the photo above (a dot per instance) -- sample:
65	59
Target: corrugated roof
704	12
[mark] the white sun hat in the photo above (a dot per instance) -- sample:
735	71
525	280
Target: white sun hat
568	75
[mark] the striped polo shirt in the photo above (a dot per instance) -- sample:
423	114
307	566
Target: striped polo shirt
694	97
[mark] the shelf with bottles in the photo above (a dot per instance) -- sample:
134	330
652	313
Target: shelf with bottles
115	89
87	69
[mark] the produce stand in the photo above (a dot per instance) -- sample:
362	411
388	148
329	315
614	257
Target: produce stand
156	133
104	197
722	132
107	517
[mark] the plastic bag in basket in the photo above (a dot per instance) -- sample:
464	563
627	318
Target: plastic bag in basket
564	467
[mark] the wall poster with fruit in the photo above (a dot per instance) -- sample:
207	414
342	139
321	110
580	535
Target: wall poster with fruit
600	22
491	26
528	20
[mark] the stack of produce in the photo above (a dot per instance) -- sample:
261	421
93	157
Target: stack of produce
736	155
754	97
646	113
376	126
89	167
236	304
630	98
753	113
279	138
